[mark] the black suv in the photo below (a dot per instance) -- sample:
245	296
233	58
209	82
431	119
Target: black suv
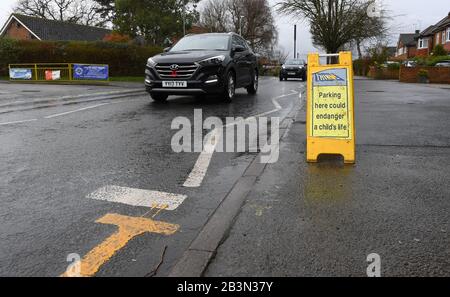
203	64
295	68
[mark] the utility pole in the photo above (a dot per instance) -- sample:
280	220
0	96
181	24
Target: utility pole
240	24
184	20
295	41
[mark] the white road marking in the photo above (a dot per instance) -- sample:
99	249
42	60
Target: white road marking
17	122
169	201
137	197
198	173
73	111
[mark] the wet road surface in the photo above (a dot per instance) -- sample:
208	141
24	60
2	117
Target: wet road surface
53	158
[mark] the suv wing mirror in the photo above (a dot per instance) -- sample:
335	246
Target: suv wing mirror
239	49
167	49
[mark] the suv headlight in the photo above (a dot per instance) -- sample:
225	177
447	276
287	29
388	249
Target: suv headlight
212	61
151	63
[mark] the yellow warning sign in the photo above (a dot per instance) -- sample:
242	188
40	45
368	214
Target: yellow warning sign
330	108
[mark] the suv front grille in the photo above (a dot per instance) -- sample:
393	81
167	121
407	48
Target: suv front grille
184	70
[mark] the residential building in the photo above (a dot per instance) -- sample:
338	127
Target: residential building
442	33
434	35
407	46
24	27
425	42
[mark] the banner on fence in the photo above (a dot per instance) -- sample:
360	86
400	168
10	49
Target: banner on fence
92	72
20	73
52	74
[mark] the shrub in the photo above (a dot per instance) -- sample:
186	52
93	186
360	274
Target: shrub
123	59
439	50
432	61
423	73
117	37
393	66
8	52
362	66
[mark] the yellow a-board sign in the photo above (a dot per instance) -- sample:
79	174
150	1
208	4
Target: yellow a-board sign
330	108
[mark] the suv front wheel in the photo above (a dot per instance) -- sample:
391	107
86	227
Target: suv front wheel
253	88
230	87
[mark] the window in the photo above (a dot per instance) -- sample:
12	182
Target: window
423	43
202	42
448	35
242	42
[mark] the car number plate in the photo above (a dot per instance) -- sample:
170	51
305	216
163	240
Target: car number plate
174	84
291	73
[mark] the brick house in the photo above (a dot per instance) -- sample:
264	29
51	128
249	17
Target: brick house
407	46
434	35
442	33
425	42
24	27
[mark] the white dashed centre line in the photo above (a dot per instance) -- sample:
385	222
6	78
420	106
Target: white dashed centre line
17	122
198	173
73	111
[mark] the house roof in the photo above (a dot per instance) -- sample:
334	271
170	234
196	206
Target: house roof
408	39
442	24
428	31
45	29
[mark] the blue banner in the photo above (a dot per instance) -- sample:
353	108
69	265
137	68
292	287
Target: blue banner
93	72
20	73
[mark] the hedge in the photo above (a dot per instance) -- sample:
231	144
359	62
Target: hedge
430	60
124	59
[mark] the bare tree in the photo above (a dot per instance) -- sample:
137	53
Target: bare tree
75	11
38	8
373	30
252	18
335	24
215	16
255	19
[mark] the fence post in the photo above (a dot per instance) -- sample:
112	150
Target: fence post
35	72
70	72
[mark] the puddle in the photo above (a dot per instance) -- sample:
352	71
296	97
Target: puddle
329	180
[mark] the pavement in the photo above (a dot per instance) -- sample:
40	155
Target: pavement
325	219
70	166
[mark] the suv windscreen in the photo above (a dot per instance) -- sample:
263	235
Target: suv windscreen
295	62
203	42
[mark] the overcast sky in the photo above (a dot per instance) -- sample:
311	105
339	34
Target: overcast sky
408	16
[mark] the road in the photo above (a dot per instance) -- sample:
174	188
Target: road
54	157
98	178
